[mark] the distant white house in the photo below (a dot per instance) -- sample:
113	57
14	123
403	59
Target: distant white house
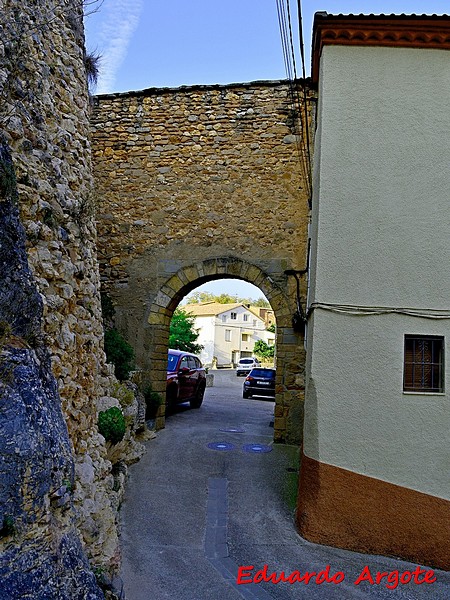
228	332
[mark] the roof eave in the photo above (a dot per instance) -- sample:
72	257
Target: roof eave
401	31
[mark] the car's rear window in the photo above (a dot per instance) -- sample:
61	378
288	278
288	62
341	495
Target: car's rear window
269	373
172	362
246	361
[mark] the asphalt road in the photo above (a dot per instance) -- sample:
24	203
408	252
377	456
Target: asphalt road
194	515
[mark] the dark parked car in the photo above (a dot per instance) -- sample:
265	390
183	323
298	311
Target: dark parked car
259	382
186	379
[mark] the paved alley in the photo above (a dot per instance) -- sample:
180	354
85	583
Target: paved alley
213	494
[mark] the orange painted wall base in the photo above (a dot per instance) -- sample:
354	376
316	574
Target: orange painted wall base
340	508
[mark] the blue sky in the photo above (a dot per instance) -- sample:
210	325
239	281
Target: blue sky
167	43
159	43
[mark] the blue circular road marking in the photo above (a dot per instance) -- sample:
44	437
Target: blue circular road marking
220	446
256	448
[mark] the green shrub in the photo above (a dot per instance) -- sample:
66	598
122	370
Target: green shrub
119	353
264	350
108	310
153	401
123	394
111	424
8	528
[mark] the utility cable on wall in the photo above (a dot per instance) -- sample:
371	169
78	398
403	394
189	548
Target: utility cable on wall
365	311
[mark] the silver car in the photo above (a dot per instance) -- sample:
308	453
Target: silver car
245	365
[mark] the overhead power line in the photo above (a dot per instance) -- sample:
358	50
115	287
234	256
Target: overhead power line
299	102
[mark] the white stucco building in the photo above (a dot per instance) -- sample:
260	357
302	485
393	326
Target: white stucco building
228	332
376	465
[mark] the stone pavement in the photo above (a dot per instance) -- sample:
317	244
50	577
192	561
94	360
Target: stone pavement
194	514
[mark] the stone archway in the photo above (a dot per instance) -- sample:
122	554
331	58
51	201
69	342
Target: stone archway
196	184
288	424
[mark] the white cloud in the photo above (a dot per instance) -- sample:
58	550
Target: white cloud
119	22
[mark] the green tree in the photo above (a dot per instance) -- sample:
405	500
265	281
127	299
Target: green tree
199	297
272	328
264	350
182	335
261	303
224	298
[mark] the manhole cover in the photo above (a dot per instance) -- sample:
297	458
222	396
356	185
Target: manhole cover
232	429
220	446
257	448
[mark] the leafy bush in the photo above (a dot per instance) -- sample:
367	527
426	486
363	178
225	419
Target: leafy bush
111	424
153	401
123	394
264	350
108	310
119	353
8	528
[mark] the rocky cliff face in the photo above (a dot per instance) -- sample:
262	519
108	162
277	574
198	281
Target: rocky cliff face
44	119
42	556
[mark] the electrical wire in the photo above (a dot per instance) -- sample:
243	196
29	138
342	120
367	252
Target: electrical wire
364	311
299	107
305	95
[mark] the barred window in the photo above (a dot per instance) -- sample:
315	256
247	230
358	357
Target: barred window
423	364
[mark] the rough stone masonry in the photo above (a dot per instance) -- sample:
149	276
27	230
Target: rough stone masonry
59	495
195	183
42	555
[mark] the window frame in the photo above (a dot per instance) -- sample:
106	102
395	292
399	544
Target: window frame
184	362
437	343
228	335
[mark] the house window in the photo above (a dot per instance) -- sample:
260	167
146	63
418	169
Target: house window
233	316
224	318
245	337
254	322
228	335
423	369
245	317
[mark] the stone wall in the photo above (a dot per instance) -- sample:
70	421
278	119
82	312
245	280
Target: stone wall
207	165
40	546
195	184
45	121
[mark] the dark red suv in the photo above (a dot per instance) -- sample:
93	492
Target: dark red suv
186	379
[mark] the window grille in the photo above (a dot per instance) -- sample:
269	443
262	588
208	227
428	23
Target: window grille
423	364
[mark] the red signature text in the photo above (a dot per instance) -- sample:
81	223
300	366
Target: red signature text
244	576
391	579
